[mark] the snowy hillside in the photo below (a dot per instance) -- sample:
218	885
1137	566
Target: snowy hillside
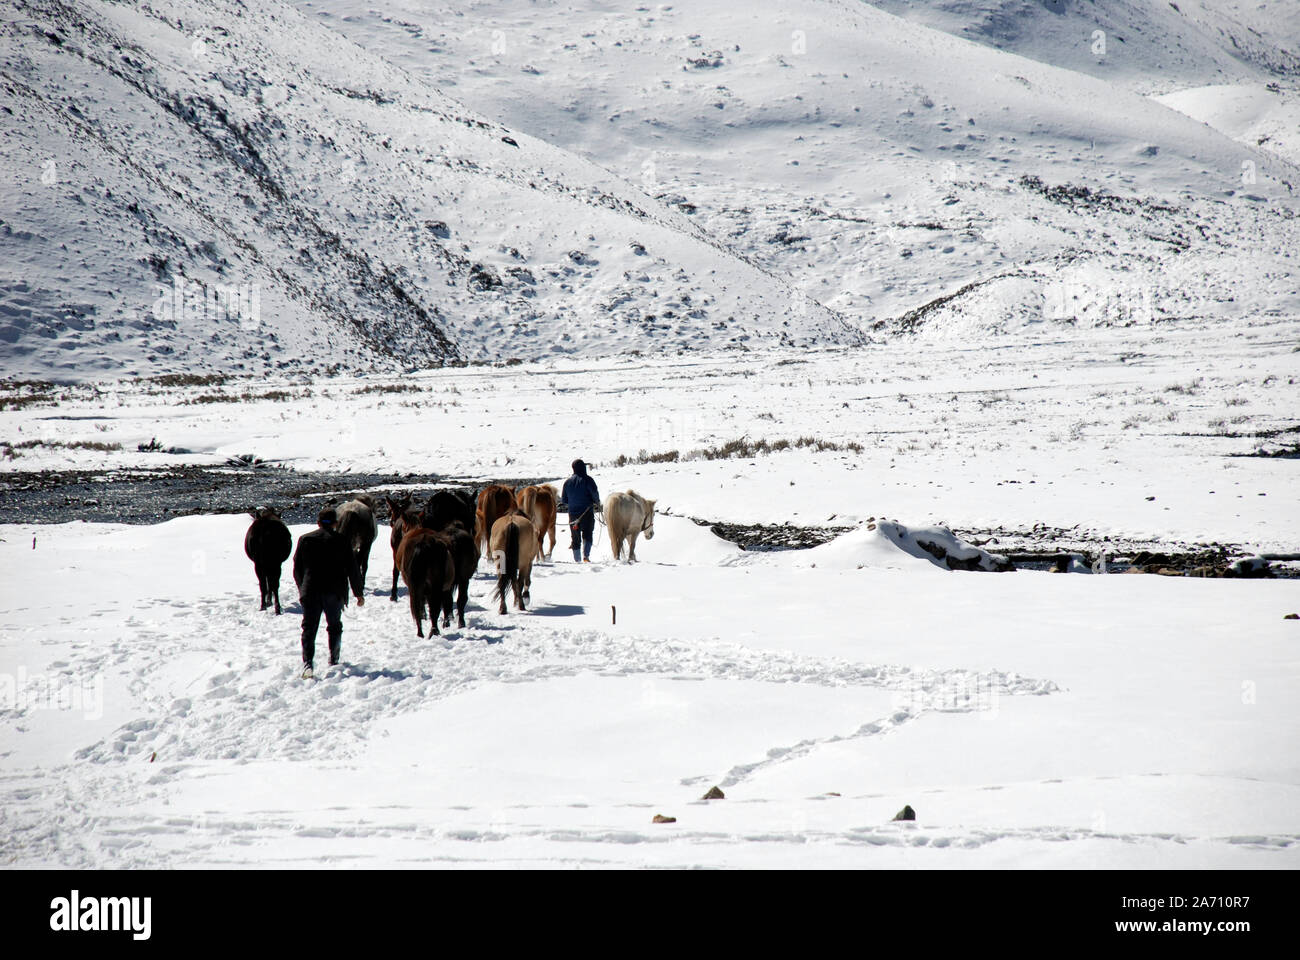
883	165
209	186
1152	46
1233	64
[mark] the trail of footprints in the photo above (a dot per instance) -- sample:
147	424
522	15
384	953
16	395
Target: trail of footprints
244	700
255	707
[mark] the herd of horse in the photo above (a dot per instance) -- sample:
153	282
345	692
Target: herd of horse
437	545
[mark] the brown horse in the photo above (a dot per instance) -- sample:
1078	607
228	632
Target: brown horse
268	544
449	506
494	501
429	569
514	545
404	516
356	524
465	556
451	512
539	504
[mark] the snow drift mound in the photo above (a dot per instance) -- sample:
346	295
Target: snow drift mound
888	543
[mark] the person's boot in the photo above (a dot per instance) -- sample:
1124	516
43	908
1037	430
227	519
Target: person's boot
336	644
307	671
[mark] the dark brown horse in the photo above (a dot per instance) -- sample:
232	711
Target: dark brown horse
465	555
494	502
452	512
356	524
403	516
449	506
429	569
268	544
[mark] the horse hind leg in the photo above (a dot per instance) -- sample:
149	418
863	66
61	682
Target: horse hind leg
393	595
417	609
274	579
462	598
261	585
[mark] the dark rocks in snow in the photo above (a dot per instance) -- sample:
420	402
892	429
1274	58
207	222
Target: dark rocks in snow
483	278
715	793
1292	616
907	813
975	561
438	229
1249	568
660	818
511	141
708	61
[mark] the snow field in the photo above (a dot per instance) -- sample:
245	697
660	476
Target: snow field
1030	719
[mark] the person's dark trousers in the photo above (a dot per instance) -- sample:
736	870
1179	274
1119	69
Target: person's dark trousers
312	608
584	528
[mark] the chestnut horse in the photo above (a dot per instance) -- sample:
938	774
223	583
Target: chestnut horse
494	501
514	545
404	516
539	504
429	569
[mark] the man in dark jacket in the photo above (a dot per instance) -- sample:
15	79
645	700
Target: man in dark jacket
582	501
323	567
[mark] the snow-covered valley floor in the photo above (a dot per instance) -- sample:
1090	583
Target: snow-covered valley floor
154	717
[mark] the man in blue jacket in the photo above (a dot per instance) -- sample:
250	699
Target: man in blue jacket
582	500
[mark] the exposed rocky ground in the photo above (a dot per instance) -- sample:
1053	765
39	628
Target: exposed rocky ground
141	496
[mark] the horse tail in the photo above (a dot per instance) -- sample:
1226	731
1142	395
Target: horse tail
508	570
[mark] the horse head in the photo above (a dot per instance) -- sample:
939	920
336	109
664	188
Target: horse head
397	506
648	525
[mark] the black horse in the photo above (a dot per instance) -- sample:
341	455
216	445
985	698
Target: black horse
449	506
268	544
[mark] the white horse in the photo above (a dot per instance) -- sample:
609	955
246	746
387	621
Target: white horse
627	515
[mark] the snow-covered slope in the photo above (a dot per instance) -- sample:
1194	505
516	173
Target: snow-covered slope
662	178
1233	64
1148	45
879	163
209	185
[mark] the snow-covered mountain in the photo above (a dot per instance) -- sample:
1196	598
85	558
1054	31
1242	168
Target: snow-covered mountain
886	166
213	186
207	186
